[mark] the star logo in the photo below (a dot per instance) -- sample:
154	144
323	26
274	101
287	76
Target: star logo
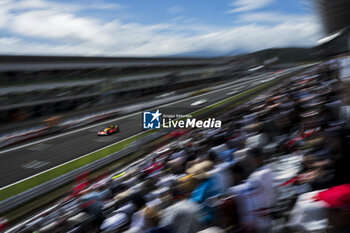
156	115
151	120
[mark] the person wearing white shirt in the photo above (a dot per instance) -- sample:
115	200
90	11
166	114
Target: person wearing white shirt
256	196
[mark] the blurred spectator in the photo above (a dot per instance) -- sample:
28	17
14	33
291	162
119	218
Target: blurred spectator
152	218
182	216
138	223
270	163
256	196
337	201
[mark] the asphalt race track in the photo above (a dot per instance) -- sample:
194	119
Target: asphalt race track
19	162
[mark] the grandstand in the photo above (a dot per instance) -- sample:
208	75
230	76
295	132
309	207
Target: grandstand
39	86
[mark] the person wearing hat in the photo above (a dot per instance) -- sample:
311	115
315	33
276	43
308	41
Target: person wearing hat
205	187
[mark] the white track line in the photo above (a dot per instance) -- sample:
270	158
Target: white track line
115	119
124	138
100	148
70	161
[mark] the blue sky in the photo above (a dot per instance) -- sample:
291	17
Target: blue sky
154	27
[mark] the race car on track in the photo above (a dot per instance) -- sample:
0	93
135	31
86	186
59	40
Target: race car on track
109	130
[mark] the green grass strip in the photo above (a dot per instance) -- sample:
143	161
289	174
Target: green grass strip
68	167
91	157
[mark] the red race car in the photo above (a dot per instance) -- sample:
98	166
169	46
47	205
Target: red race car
108	131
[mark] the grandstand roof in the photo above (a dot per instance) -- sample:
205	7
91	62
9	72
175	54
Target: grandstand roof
334	14
37	63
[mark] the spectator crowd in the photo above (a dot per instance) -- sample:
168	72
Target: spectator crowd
279	163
